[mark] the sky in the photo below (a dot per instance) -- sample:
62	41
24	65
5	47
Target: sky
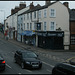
6	6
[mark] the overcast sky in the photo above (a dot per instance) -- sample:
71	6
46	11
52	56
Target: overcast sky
6	6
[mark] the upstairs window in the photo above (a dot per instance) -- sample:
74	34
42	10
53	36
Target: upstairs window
39	14
30	26
34	14
31	15
27	16
52	26
45	13
52	13
44	25
27	26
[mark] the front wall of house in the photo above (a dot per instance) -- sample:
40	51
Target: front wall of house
61	20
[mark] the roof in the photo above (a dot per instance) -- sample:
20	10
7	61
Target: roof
36	8
72	15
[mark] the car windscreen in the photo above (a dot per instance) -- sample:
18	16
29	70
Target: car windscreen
29	55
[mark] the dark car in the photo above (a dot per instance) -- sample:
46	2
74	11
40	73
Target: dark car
2	63
27	59
65	68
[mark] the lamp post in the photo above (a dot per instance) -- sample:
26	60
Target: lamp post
4	19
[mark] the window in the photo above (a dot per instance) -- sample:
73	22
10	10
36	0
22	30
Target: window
24	17
52	26
38	26
39	14
6	24
72	39
52	13
27	26
28	16
34	26
34	14
30	26
31	15
45	13
24	26
44	25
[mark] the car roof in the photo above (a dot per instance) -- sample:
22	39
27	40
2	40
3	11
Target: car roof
22	51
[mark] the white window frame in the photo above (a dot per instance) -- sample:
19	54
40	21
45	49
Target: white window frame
52	26
27	26
52	12
24	26
45	24
45	13
39	13
30	26
34	14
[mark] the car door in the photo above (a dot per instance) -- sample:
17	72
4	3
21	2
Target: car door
20	58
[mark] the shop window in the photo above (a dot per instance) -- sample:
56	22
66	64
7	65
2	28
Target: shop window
72	39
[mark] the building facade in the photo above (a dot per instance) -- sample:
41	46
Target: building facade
49	23
72	29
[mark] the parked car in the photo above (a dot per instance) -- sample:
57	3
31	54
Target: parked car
65	68
2	63
27	59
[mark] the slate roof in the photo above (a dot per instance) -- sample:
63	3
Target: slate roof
72	15
36	8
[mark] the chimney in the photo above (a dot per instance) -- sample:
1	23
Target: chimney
16	9
12	11
22	5
66	4
31	5
47	2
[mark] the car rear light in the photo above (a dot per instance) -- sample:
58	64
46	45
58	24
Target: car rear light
3	62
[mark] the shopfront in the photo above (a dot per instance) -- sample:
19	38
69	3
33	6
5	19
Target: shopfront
50	40
29	38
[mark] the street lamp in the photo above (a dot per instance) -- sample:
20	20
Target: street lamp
4	13
4	19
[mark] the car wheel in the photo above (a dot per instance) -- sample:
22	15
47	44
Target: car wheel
22	65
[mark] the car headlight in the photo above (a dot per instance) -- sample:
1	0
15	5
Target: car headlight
27	62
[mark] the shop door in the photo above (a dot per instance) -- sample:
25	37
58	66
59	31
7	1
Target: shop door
58	43
50	43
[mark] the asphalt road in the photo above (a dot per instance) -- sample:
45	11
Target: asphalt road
48	58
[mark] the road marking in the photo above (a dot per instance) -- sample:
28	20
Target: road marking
47	64
28	70
48	70
19	73
12	52
8	66
69	59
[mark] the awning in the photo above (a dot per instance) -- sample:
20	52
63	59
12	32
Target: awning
27	33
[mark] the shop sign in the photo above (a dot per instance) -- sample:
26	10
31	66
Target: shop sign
44	34
60	34
40	34
50	34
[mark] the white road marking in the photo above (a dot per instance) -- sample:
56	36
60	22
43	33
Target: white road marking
19	73
12	52
48	70
8	66
47	64
28	70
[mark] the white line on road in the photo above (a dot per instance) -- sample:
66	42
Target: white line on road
48	70
28	70
19	73
47	64
8	66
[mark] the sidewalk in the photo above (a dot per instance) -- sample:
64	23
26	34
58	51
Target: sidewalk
24	46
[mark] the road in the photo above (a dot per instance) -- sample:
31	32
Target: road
48	58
